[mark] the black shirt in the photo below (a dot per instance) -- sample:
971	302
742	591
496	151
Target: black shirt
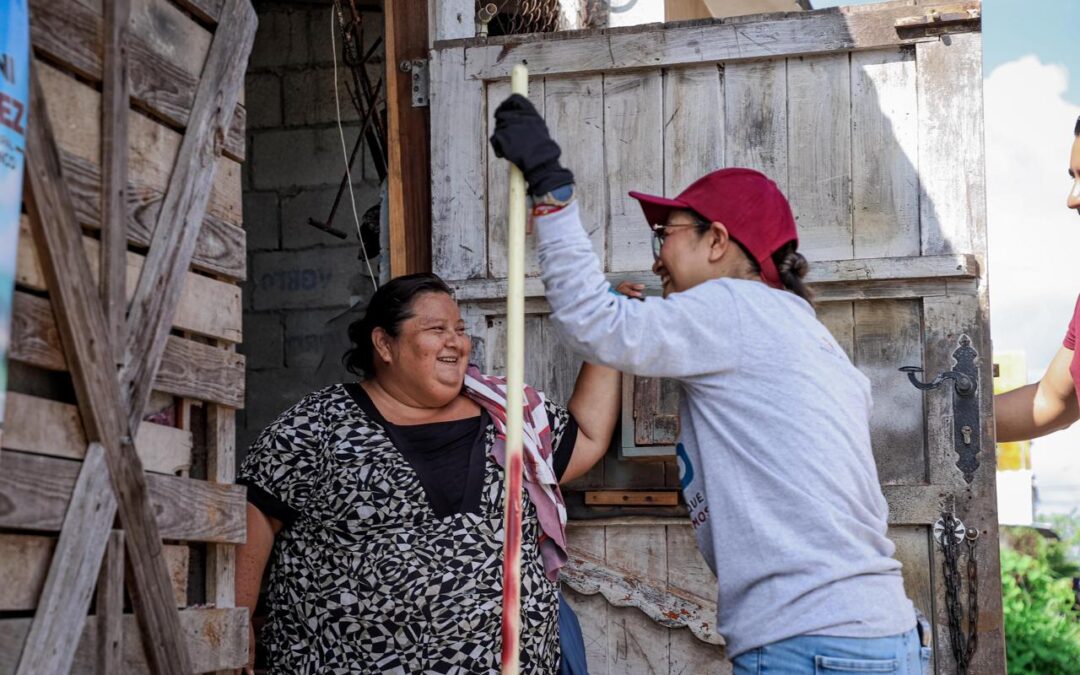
448	458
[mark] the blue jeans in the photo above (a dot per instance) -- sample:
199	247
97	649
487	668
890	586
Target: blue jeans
821	655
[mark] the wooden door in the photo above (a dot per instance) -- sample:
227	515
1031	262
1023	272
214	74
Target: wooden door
870	120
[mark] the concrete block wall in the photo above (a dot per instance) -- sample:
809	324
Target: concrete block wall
304	286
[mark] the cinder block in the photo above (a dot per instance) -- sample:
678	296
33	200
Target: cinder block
281	40
309	279
319	35
264	342
316	203
262	221
314	338
309	97
285	159
272	392
262	95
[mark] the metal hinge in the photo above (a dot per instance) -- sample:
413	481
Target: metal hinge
419	81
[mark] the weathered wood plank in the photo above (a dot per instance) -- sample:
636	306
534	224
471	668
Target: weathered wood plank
693	125
574	112
839	318
660	607
207	306
44	427
221	468
755	118
188	369
110	604
498	187
691	656
952	172
633	155
637	639
86	341
631	498
114	134
687	570
152	147
405	27
72	32
884	153
888	335
655	411
822	273
747	38
914	551
819	133
458	169
216	639
37	491
69	582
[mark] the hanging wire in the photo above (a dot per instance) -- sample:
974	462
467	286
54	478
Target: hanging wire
345	157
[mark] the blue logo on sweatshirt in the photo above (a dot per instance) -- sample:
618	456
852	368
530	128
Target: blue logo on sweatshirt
686	469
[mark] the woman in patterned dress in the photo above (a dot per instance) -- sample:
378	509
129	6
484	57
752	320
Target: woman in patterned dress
380	504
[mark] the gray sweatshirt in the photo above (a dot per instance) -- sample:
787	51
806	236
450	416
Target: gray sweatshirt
774	457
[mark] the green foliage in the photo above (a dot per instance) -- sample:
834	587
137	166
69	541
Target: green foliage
1042	621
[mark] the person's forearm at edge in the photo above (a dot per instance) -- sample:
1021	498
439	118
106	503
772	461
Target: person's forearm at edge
595	406
1039	409
251	559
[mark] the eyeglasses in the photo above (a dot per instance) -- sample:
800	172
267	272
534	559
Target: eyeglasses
660	233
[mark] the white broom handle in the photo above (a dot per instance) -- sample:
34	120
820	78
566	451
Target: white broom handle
515	384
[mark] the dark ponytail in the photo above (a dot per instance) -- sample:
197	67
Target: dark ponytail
1076	129
389	308
792	267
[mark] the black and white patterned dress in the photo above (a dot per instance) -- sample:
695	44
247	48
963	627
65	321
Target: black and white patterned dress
365	577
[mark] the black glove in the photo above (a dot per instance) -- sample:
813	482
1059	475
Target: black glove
522	138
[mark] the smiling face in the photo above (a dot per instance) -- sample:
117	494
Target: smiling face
428	358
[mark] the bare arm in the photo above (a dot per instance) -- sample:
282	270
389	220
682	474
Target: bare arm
595	406
1039	409
251	557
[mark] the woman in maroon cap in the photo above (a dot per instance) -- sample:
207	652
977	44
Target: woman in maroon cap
774	453
1053	403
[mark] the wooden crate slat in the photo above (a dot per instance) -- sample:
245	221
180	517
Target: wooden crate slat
72	33
186	199
44	427
153	148
188	369
26	562
216	640
37	491
207	307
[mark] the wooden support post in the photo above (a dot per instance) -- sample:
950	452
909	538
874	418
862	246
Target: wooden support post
409	188
114	156
110	606
221	467
62	609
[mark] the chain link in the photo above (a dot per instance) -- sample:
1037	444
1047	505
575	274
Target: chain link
963	644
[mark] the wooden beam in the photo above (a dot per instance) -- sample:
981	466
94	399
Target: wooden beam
110	605
709	41
208	307
631	498
85	337
71	32
221	468
822	274
44	427
37	490
175	235
114	155
188	369
216	639
409	188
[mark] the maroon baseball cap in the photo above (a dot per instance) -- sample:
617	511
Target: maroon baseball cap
750	205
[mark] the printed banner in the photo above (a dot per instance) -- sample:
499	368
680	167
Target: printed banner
14	109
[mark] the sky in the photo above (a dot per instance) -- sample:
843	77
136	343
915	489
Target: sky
1031	91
